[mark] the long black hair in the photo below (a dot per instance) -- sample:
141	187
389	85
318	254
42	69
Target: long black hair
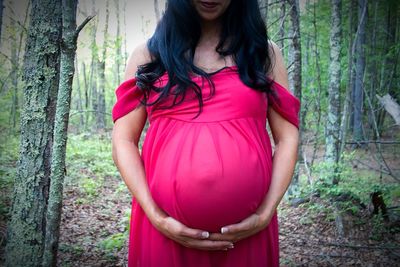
243	35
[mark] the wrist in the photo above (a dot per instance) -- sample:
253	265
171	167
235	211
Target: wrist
156	216
265	215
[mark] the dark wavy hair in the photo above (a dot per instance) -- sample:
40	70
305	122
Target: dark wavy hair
243	35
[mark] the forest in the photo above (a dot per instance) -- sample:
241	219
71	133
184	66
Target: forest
62	199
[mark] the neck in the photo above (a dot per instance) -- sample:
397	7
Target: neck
210	31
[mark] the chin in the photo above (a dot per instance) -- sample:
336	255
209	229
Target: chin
209	17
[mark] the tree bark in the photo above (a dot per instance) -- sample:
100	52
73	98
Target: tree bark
53	216
101	111
118	46
26	228
295	72
93	92
333	118
157	10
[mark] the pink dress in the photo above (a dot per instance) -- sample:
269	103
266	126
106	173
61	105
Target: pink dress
208	172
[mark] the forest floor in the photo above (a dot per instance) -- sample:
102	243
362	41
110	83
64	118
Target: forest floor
307	238
96	211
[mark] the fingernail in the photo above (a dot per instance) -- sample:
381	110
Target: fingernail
231	246
205	234
224	230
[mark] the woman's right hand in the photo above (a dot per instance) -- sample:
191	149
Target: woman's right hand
189	237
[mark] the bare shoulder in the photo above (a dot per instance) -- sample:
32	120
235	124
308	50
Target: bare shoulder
279	72
139	56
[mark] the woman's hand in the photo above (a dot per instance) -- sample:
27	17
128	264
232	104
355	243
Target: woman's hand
189	237
248	227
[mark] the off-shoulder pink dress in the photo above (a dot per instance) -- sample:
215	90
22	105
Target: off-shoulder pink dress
208	172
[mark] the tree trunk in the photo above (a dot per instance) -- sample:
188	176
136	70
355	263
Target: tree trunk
125	56
79	106
333	118
282	36
26	228
68	48
101	111
295	73
372	67
1	17
157	10
14	77
118	46
93	93
389	65
347	115
358	134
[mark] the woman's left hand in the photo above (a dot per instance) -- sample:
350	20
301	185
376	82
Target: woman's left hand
249	226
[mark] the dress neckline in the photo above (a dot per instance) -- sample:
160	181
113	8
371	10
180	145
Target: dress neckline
221	70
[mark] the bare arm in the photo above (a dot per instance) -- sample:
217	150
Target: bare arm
286	139
125	152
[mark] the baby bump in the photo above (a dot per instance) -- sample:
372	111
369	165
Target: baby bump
208	178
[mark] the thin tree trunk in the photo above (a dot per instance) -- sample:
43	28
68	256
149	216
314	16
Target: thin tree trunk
358	133
93	93
318	97
125	57
282	18
118	46
14	78
79	105
68	50
101	121
86	84
16	48
295	73
390	59
1	17
26	228
333	118
347	115
157	10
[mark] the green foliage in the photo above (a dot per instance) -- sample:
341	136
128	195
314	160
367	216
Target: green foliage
89	157
90	186
113	242
8	158
116	242
378	228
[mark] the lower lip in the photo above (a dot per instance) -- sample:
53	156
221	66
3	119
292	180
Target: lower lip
208	6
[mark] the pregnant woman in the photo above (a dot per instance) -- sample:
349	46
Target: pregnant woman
206	184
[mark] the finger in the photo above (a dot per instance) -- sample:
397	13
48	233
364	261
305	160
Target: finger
245	225
210	245
186	231
223	237
194	233
235	228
